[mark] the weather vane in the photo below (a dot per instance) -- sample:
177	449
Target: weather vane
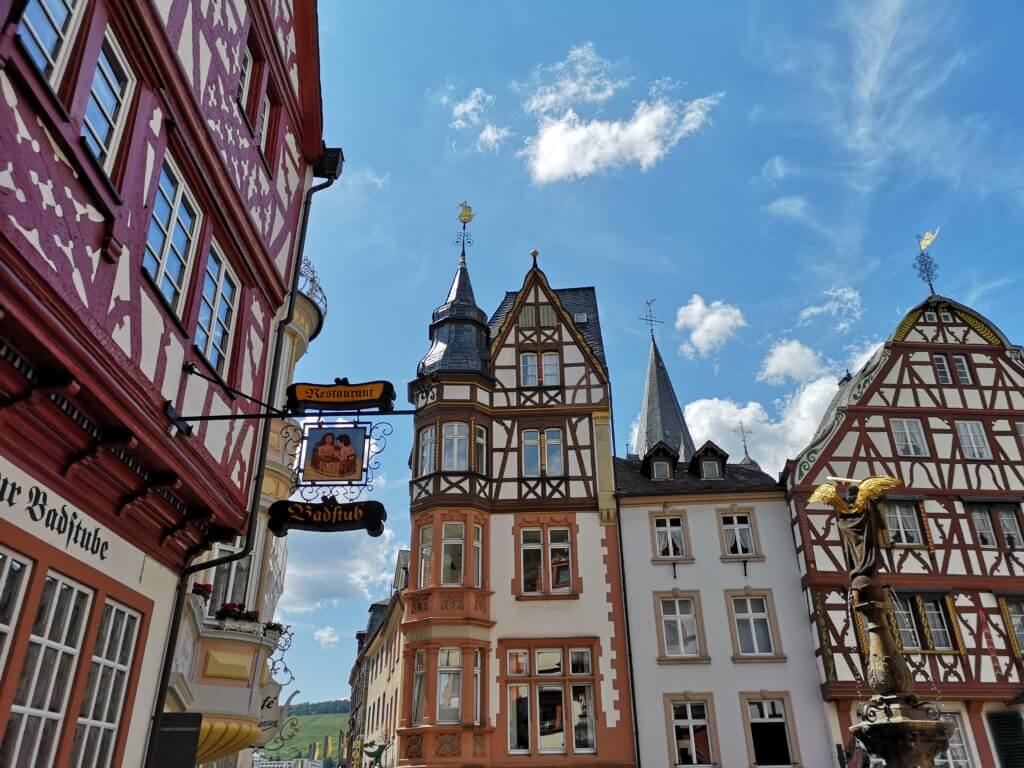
743	433
464	238
649	317
927	269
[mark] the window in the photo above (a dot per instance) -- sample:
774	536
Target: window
903	609
452	542
929	316
427	450
263	133
1020	430
583	717
753	625
230	580
904	524
551	369
923	622
426	556
480	457
455	447
217	311
14	570
553	452
579	661
942	369
963	373
46	673
532	556
547	316
528	369
945	315
531	453
528	316
172	231
983	527
449	685
518	718
111	88
709	470
909	437
1009	525
478	555
972	440
737	535
477	661
46	26
1014	607
245	79
769	732
984	515
519	663
100	713
938	628
419	694
549	662
679	627
551	717
660	470
956	756
691	733
668	537
579	317
560	559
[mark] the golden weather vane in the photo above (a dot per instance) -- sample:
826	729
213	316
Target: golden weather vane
465	213
464	238
927	269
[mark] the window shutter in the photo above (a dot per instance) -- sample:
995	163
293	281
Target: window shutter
1008	735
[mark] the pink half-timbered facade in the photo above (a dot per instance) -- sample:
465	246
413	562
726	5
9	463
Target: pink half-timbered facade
940	406
154	164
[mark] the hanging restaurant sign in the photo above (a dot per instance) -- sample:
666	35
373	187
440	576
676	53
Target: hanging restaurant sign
341	396
334	454
326	515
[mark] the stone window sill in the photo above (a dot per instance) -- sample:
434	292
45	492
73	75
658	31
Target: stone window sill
776	659
684	659
567	596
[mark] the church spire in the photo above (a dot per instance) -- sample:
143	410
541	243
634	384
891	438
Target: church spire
661	418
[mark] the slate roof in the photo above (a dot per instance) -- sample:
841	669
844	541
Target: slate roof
458	331
573	300
629	481
661	418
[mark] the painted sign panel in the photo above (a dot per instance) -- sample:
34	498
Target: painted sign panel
326	515
334	453
341	396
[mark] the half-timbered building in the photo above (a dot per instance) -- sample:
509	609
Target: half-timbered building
515	639
720	656
940	406
155	160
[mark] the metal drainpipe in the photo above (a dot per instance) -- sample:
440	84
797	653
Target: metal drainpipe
254	506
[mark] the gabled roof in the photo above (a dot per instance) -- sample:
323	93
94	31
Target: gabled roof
737	478
661	418
979	322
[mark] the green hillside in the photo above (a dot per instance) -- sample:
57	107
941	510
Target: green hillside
312	729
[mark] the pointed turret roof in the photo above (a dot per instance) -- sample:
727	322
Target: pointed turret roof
661	418
458	331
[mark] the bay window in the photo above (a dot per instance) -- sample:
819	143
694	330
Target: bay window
455	447
426	556
230	580
419	694
480	457
477	663
452	548
478	555
449	685
427	451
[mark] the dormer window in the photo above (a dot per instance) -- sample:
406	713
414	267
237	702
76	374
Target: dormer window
660	470
579	317
710	470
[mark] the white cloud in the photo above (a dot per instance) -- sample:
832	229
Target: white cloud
859	354
843	305
470	110
353	566
583	77
569	147
789	207
327	637
492	137
775	169
792	360
709	325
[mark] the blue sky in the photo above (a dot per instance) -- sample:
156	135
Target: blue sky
761	170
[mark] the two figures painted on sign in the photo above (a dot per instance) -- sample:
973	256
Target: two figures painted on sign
334	454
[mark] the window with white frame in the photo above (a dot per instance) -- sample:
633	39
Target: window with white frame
942	369
46	673
930	316
478	555
972	440
549	661
738	535
691	733
518	663
963	371
45	30
532	555
769	732
480	458
957	756
579	661
230	580
518	719
14	571
111	88
449	685
553	465
668	536
528	369
559	560
1015	615
477	661
983	530
904	523
100	714
452	546
531	453
426	556
419	694
679	625
938	624
173	227
427	450
217	311
552	377
923	622
909	437
710	469
660	470
550	717
263	132
245	78
455	447
1020	430
945	315
1009	525
583	730
753	626
906	626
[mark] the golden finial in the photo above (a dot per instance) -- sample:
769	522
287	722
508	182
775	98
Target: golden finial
465	213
